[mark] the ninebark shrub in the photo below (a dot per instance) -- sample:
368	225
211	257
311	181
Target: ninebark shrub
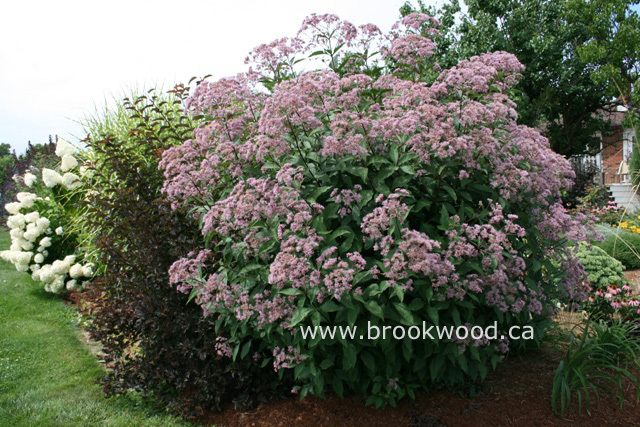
155	340
359	193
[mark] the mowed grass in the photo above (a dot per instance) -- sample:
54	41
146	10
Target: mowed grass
47	375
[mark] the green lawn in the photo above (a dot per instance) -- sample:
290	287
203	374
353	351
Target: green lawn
47	376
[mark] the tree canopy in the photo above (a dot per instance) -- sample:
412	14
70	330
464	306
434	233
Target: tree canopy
572	49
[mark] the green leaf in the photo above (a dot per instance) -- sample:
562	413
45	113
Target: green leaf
336	383
368	361
329	306
290	292
435	366
405	314
349	357
299	315
245	350
433	315
444	216
326	364
374	308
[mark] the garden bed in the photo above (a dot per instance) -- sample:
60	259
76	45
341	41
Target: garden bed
518	395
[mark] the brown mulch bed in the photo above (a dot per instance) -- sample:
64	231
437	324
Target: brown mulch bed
519	394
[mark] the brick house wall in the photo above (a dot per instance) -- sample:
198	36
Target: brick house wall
612	156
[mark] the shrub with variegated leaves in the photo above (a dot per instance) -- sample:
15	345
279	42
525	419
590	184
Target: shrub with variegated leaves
359	193
43	239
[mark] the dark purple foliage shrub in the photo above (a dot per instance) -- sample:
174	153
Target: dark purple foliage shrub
155	340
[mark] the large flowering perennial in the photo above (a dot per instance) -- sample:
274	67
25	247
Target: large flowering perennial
39	242
361	193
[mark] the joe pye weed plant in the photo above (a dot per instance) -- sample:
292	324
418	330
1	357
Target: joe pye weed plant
360	192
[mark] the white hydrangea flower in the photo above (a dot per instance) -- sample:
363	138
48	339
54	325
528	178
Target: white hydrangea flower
16	233
16	221
70	180
5	255
76	271
71	285
69	259
32	216
63	147
31	235
45	242
59	231
46	275
26	245
13	208
43	224
60	268
26	199
87	270
38	258
29	179
68	162
51	178
57	285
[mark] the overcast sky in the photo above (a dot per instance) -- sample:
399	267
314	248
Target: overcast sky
59	60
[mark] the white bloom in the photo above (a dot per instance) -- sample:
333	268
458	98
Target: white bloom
26	199
45	242
51	178
16	221
36	276
19	259
70	180
87	270
71	285
46	275
63	147
23	257
29	179
42	224
13	208
31	235
39	258
57	285
60	268
68	162
76	271
69	259
59	231
16	233
26	245
32	216
5	255
23	268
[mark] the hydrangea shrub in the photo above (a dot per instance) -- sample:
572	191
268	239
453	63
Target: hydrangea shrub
43	240
358	194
